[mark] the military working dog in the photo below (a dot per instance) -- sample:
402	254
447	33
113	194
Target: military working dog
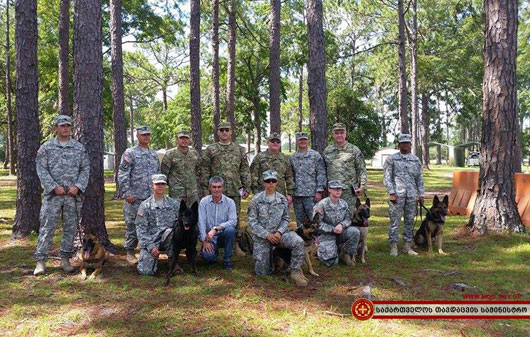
360	220
433	225
92	255
185	236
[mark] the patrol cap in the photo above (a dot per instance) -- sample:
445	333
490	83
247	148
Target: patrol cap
159	178
404	138
62	120
339	126
270	174
143	130
301	135
183	133
335	184
224	125
274	135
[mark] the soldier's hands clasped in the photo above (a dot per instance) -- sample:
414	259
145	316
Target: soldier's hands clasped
392	198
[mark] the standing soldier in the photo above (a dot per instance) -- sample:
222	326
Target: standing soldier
63	168
138	164
181	166
345	163
229	161
404	184
309	178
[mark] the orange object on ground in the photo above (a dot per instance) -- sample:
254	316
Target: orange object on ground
522	196
464	192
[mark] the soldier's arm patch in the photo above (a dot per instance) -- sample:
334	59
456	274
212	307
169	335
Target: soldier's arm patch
140	212
126	158
388	159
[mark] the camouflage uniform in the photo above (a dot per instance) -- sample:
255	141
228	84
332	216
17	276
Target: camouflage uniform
134	178
154	226
346	164
330	216
402	176
267	217
310	177
181	170
278	162
60	165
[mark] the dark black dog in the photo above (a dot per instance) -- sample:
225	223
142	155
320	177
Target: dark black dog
185	237
433	225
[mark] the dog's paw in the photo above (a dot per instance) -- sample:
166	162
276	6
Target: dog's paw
82	276
363	261
441	252
92	277
313	273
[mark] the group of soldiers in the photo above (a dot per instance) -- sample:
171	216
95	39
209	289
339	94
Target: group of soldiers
277	180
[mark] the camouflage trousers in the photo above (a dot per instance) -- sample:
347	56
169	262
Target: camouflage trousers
50	212
303	207
328	249
237	200
350	198
263	252
147	263
405	206
129	215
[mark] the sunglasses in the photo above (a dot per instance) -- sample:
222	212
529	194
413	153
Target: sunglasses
276	141
146	135
224	130
158	184
270	181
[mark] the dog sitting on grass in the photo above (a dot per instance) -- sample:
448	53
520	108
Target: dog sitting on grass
92	255
433	225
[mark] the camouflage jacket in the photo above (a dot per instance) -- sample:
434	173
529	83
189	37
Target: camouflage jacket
151	221
64	166
228	161
135	171
331	215
309	173
346	164
181	170
266	217
402	175
278	162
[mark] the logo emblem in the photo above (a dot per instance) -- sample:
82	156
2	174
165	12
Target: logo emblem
362	309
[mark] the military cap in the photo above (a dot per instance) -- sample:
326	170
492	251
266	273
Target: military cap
301	135
404	138
159	178
143	130
274	135
62	120
335	184
183	133
270	174
339	126
224	125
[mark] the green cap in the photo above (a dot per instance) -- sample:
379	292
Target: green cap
143	130
224	125
301	135
62	120
183	133
274	135
339	126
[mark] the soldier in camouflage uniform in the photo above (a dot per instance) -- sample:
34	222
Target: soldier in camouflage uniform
181	165
154	224
309	176
137	165
268	218
404	184
229	161
345	162
273	159
63	168
336	229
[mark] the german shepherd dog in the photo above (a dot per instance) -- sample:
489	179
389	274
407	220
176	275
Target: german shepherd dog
360	220
281	257
92	255
185	236
433	225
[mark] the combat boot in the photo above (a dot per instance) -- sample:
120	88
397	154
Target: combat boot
131	257
238	251
40	268
298	277
408	250
393	249
65	264
346	258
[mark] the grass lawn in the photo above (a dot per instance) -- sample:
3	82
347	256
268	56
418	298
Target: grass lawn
121	303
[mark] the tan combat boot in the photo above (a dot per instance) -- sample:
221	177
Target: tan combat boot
408	250
40	268
393	249
65	264
131	257
347	259
237	250
298	277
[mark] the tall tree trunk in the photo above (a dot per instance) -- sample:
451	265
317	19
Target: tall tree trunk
231	79
28	129
215	67
274	67
10	153
195	74
6	158
403	113
424	129
439	133
64	38
495	209
249	138
257	125
517	151
88	112
131	120
414	77
301	99
118	105
316	76
383	126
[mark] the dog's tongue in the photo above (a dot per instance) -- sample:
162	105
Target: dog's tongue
366	222
186	227
86	256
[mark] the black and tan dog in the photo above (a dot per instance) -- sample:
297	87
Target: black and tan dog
360	220
92	255
433	225
281	257
185	237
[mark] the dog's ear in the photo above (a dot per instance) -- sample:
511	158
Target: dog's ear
367	202
195	208
446	201
183	206
316	218
435	200
307	221
358	203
